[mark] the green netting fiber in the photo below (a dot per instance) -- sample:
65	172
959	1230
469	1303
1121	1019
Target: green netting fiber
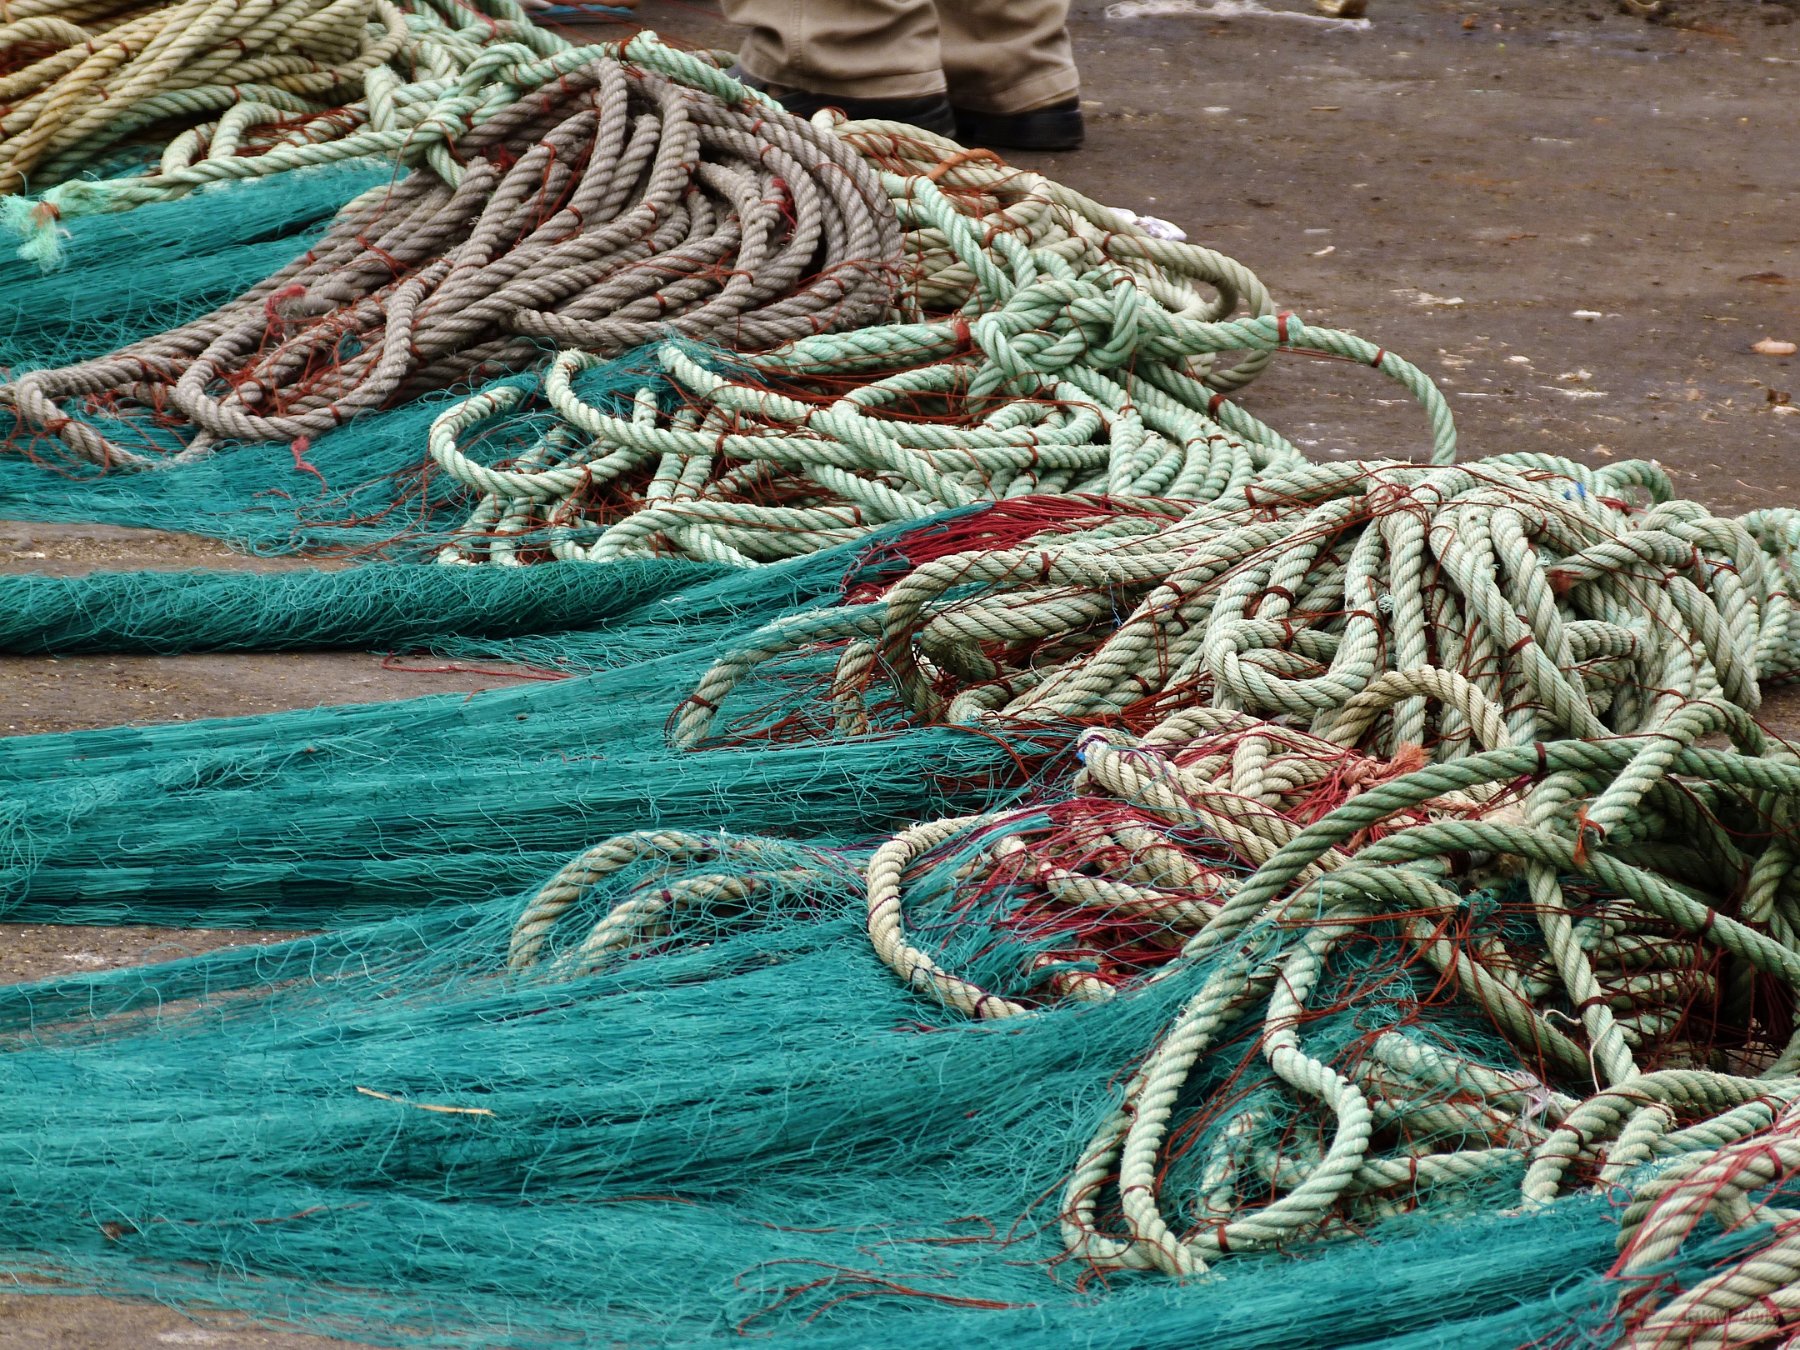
755	1132
365	608
334	813
156	268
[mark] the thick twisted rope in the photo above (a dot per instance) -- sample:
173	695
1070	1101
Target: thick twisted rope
1421	748
1136	876
1062	351
261	88
812	444
634	203
1749	1298
1295	593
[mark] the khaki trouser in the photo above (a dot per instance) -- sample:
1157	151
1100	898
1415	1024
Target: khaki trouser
995	56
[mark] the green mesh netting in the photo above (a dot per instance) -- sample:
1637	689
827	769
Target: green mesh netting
416	1126
750	1129
299	817
363	489
145	271
754	1133
362	609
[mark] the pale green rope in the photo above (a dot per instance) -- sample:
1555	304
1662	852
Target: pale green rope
1508	672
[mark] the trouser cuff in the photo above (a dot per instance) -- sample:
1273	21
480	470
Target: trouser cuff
917	84
1040	91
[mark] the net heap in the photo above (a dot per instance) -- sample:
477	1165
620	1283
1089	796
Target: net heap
1299	852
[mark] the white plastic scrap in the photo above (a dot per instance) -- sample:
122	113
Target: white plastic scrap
1154	226
1225	9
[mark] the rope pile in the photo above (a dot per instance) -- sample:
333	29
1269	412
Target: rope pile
1401	766
1066	352
1421	807
258	88
643	197
1607	975
1532	581
1745	1297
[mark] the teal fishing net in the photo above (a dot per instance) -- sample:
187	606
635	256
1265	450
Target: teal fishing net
1313	914
754	1133
304	817
404	606
143	272
751	1130
746	1125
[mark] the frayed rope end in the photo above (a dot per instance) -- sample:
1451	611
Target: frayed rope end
36	223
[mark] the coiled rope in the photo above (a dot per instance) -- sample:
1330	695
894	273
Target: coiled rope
1076	354
260	88
637	195
1345	724
1417	748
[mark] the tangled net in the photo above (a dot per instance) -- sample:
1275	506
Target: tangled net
631	195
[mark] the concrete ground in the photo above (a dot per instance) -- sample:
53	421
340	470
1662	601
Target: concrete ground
1580	223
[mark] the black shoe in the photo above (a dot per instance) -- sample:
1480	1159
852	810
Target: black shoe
1058	127
931	113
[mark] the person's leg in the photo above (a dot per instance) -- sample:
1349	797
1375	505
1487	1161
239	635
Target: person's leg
1010	71
1007	56
859	49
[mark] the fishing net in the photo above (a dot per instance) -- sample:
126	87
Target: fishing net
912	1010
752	1134
162	266
1018	854
466	798
361	609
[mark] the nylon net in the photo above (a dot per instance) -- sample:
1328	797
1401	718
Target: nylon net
1002	848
